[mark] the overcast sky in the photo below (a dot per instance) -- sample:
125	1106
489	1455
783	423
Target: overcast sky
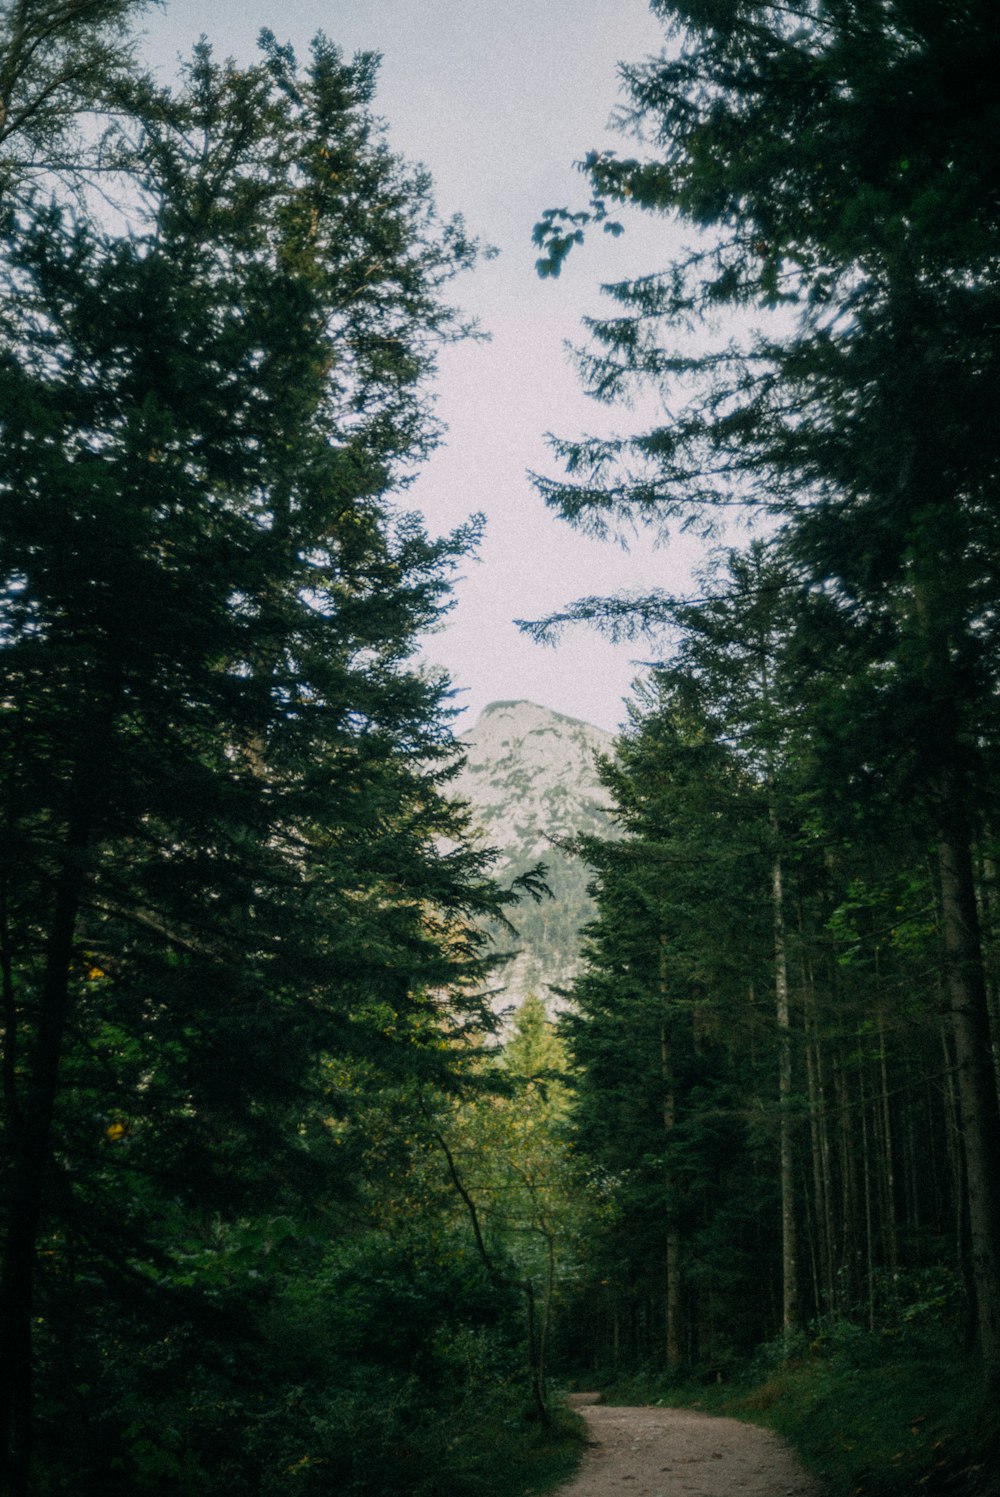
498	100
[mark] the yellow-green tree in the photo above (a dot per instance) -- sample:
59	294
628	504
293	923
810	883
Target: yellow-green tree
510	1157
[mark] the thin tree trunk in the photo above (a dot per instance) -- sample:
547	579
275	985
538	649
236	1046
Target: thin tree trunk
546	1327
673	1245
789	1245
890	1234
990	905
847	1276
866	1176
10	1021
33	1151
977	1093
821	1175
954	1204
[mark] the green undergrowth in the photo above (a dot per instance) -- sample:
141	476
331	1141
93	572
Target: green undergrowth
542	1459
869	1418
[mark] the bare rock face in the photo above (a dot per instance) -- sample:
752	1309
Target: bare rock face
531	779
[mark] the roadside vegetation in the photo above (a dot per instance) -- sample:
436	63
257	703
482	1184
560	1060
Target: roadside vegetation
872	1414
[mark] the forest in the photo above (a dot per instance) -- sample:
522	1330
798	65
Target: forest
285	1207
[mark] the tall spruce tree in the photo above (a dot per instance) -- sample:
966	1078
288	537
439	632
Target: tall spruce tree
663	1027
804	1031
731	662
830	156
226	850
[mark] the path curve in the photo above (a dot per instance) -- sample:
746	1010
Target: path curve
654	1452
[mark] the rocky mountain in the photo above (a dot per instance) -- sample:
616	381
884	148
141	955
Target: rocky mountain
531	780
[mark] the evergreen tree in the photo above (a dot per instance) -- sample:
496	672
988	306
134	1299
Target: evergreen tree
830	158
62	62
227	843
752	1058
666	1018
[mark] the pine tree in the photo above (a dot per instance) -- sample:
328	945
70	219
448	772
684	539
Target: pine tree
227	843
664	1021
830	159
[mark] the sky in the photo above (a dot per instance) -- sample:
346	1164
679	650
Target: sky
499	99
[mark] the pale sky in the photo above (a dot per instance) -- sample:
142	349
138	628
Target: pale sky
499	100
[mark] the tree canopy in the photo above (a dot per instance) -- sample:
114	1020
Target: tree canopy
229	852
824	357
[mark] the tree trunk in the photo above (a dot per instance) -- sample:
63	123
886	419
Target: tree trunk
789	1244
847	1266
866	1178
953	1200
884	1124
990	905
977	1096
33	1153
673	1245
819	1138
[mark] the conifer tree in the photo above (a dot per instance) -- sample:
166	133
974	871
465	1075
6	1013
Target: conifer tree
663	1011
227	847
819	1058
829	159
62	63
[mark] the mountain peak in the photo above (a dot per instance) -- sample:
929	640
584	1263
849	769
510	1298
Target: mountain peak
526	754
530	776
522	708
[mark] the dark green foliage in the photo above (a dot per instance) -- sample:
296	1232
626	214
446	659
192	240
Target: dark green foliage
678	1113
238	915
63	63
823	357
671	1043
356	1369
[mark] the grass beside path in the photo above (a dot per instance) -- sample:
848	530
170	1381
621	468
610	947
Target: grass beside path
870	1419
537	1459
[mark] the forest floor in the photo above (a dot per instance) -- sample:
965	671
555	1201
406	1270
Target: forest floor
656	1452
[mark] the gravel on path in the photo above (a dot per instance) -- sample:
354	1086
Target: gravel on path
654	1452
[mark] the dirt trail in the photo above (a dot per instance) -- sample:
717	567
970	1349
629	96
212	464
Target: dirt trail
655	1452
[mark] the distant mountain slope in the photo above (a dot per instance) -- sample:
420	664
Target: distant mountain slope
531	779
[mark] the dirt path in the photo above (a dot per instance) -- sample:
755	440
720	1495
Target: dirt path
679	1453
